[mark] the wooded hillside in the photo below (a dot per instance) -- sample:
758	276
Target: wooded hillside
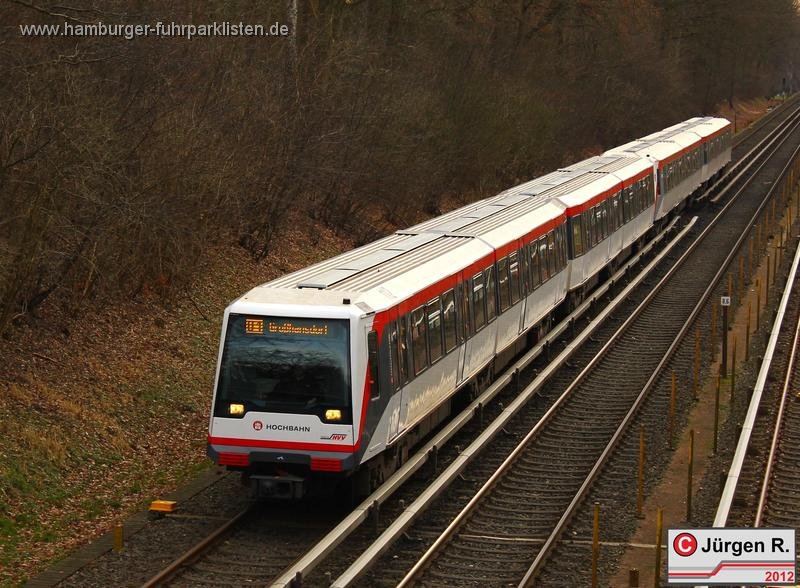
121	160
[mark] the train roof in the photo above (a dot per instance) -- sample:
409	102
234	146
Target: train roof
669	142
381	274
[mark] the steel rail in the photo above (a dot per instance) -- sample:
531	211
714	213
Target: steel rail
548	545
731	482
196	550
773	448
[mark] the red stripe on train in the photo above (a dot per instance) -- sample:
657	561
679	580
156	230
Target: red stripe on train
269	444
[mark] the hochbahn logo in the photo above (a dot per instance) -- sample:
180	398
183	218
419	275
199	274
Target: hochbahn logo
258	425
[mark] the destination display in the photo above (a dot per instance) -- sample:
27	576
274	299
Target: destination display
308	328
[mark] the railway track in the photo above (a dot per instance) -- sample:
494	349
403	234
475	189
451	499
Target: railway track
219	559
763	486
779	499
230	556
515	521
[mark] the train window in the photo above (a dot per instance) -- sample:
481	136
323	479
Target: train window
642	195
587	230
502	280
602	219
402	340
593	231
534	265
394	379
551	248
523	272
449	319
627	204
544	264
434	310
577	236
562	230
640	191
513	273
559	251
612	214
478	301
491	293
597	235
372	354
466	315
419	340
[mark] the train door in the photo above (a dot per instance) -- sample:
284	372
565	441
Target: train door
462	314
523	286
394	383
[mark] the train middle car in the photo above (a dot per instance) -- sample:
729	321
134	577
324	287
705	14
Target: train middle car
330	375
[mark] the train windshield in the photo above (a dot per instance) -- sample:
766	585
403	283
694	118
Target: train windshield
287	365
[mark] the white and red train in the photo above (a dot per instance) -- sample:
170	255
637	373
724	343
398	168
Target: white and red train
335	371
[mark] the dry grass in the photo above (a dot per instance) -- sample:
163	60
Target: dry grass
745	112
101	413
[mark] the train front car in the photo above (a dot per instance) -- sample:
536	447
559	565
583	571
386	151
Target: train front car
284	405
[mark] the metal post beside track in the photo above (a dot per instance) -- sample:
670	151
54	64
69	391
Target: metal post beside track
659	531
595	543
716	415
689	477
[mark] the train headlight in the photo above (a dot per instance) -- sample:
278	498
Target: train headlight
236	409
333	414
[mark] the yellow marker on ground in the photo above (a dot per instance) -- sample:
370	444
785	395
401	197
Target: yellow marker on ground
163	506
